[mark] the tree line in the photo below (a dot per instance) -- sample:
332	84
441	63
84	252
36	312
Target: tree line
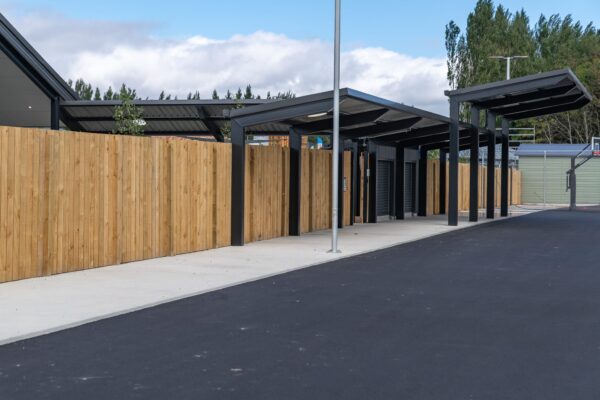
553	42
87	92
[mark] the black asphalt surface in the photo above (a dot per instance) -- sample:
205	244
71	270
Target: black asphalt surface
509	310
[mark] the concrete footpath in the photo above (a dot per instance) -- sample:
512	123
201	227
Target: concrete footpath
38	306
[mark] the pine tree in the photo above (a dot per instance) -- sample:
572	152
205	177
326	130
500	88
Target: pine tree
285	95
238	94
553	43
215	95
248	94
228	96
161	96
84	90
97	95
109	94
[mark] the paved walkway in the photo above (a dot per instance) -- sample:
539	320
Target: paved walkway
503	311
42	305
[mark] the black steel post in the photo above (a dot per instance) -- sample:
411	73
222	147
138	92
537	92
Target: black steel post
355	189
474	166
55	113
399	183
365	190
372	214
295	182
572	186
238	166
442	194
504	170
453	168
341	177
422	211
491	165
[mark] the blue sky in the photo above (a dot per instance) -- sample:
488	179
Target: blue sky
415	28
390	48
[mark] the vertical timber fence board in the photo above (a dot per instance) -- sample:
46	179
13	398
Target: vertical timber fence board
463	190
71	201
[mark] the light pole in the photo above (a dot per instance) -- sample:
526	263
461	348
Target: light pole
508	58
336	131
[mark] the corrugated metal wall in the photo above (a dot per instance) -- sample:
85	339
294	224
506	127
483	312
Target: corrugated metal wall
532	169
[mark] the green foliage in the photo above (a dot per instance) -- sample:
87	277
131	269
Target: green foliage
194	96
285	95
248	94
86	92
83	90
226	128
109	94
126	93
552	43
128	118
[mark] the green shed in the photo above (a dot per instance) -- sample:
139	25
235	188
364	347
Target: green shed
544	174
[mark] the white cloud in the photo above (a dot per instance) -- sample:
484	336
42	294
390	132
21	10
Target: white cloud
109	53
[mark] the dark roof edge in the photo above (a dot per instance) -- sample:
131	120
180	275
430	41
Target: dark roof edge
526	78
396	106
35	60
345	92
201	102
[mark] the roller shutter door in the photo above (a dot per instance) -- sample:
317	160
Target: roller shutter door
409	187
384	173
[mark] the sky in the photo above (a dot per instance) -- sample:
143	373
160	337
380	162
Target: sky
390	48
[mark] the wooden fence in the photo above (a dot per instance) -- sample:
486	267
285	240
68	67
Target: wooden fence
267	191
71	201
433	185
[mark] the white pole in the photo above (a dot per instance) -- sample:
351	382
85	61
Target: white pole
336	131
508	68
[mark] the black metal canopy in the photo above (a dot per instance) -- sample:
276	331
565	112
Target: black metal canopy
527	96
161	117
362	116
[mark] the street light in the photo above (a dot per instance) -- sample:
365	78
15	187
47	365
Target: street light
336	131
508	58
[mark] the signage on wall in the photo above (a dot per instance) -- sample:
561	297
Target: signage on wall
345	184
